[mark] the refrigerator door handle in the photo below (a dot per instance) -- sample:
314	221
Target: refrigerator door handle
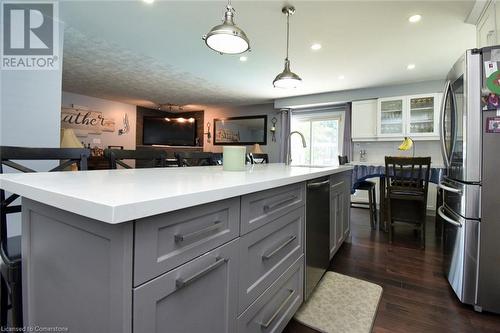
450	189
447	219
442	128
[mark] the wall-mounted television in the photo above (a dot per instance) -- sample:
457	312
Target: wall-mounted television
169	131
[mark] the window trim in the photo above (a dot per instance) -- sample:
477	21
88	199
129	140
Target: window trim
322	115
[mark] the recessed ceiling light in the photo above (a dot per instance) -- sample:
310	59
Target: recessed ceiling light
316	46
243	58
149	1
410	67
341	77
415	18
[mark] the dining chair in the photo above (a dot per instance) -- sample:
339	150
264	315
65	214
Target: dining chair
186	159
369	187
10	247
259	158
171	160
343	159
407	183
217	158
147	158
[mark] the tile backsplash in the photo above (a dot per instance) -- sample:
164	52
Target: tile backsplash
377	150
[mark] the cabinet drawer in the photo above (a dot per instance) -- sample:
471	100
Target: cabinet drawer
259	208
163	242
199	296
273	309
344	176
267	252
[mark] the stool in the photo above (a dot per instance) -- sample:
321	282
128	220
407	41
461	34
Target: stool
10	247
372	200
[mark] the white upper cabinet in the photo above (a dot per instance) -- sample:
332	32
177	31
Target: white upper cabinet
391	116
423	116
487	34
364	120
416	116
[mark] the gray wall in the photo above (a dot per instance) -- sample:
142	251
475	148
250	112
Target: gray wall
272	148
110	109
344	96
30	112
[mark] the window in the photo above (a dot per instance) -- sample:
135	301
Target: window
323	131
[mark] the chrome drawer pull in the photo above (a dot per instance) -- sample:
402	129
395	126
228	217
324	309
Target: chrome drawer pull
181	283
268	322
315	185
267	208
269	254
180	237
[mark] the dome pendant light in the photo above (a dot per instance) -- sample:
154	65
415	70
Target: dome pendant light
227	37
287	78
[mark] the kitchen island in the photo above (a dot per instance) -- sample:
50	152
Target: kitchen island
169	249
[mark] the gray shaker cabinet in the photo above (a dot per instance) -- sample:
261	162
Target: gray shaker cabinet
267	252
271	312
340	192
346	204
199	296
77	272
336	225
165	241
260	208
346	208
191	270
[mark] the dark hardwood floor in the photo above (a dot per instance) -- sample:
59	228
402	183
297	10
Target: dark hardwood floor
416	296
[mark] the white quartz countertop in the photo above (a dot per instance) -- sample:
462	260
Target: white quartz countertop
382	163
115	196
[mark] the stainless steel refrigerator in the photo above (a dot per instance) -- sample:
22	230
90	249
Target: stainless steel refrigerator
470	140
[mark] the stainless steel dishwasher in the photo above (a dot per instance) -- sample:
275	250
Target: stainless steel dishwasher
317	232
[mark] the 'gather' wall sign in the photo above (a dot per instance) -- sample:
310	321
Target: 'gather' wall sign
90	121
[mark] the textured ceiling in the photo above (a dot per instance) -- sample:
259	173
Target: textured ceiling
149	54
98	68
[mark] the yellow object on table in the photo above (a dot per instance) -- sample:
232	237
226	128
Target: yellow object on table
407	144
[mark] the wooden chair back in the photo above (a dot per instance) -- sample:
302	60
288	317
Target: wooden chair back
407	180
343	160
116	157
405	174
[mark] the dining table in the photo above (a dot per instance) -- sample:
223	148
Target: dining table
365	170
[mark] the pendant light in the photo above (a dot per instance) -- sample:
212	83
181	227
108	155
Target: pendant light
227	37
287	78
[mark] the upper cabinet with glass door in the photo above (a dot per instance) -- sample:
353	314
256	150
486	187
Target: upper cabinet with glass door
416	116
391	116
423	115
